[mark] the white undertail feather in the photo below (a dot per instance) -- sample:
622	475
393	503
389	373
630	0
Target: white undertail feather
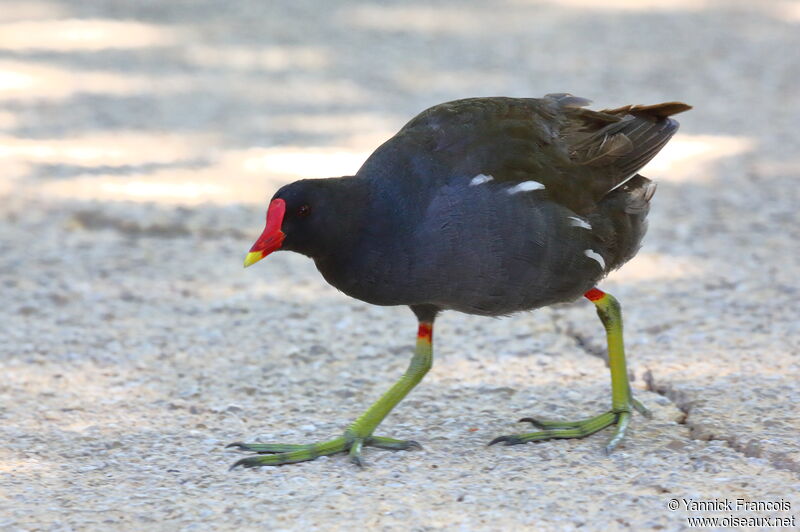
615	187
592	254
525	186
579	222
480	179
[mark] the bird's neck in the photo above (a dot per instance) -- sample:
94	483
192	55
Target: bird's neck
348	198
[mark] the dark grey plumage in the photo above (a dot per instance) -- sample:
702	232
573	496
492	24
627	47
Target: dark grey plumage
487	205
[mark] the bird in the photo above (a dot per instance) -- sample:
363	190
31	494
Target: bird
487	206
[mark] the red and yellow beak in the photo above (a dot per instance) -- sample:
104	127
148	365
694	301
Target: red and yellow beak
272	237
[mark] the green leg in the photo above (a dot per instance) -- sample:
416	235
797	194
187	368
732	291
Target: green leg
359	433
622	402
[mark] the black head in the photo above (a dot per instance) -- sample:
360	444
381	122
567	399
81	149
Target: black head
312	217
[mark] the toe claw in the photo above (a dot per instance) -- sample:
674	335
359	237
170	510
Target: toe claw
283	453
498	440
355	452
622	424
532	421
382	442
639	407
512	439
246	463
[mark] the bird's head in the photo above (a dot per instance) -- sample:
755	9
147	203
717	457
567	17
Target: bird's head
308	217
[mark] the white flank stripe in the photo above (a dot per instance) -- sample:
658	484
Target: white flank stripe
579	222
480	179
525	186
592	254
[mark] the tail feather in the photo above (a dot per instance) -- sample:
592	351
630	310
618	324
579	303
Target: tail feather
656	112
645	138
616	142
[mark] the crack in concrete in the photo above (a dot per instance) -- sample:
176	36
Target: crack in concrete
697	431
584	342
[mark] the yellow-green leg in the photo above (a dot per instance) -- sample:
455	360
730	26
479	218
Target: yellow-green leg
622	402
359	433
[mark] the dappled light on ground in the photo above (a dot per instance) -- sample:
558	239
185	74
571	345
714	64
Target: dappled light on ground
25	10
629	5
272	58
230	176
689	157
787	10
139	145
650	266
81	35
26	81
304	163
120	149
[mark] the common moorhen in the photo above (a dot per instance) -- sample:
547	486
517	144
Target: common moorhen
486	206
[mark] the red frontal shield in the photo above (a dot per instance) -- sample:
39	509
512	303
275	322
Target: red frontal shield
272	237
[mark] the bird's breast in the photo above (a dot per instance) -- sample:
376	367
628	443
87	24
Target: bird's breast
474	248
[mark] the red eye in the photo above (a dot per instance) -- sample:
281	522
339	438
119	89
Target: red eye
303	211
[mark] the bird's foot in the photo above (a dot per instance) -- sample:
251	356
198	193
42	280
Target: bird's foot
275	454
578	429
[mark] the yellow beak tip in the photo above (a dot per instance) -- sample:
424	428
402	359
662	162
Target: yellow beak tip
252	258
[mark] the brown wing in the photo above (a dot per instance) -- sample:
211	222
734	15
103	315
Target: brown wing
578	154
619	141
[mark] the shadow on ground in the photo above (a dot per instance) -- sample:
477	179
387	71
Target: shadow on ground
138	146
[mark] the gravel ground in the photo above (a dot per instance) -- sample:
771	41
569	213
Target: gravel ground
139	143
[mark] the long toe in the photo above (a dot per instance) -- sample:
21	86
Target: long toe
267	448
566	429
390	444
560	425
276	454
511	439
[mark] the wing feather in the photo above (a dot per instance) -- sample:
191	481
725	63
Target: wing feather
578	154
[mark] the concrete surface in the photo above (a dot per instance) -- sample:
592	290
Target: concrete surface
139	142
